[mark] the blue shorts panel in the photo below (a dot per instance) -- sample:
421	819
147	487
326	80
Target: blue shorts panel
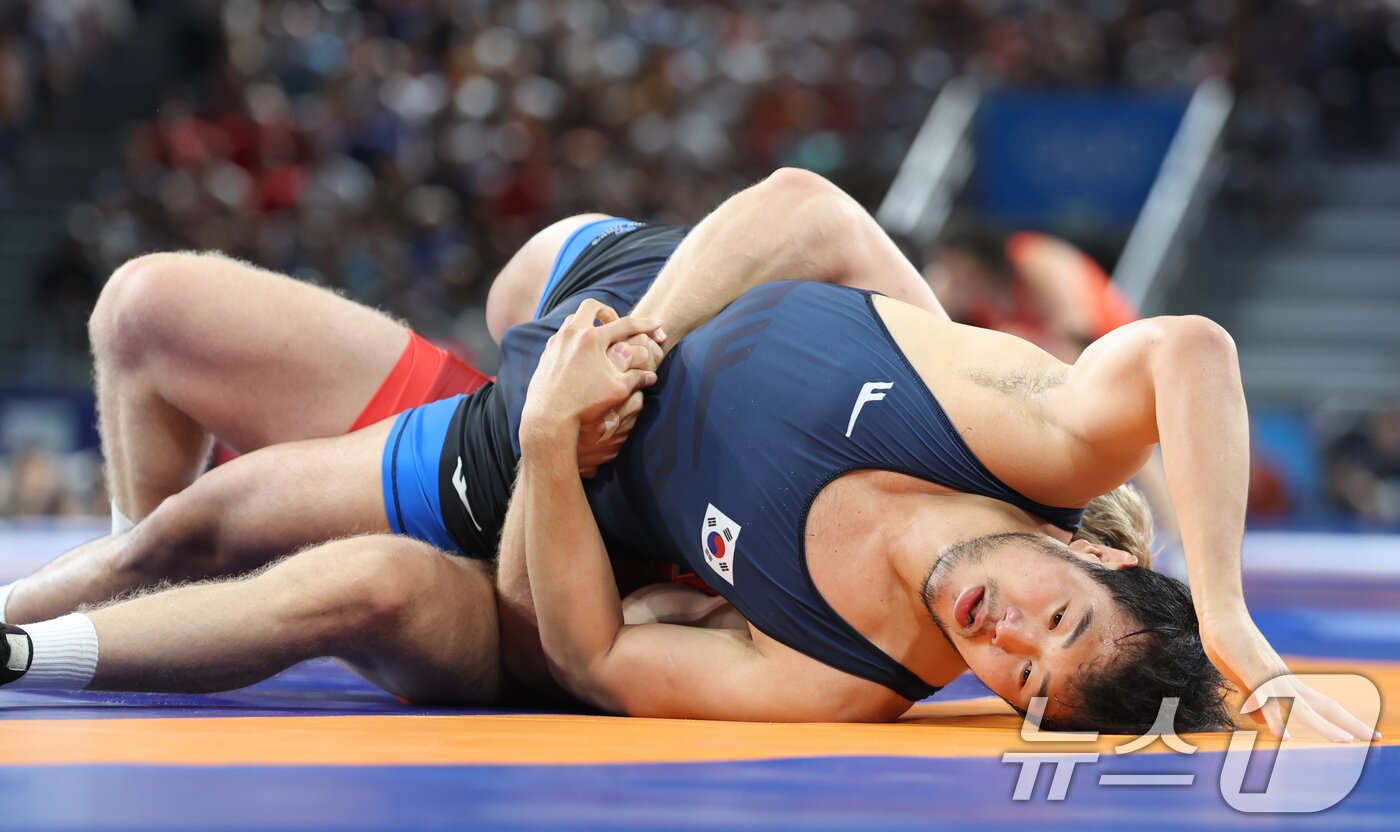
572	248
410	472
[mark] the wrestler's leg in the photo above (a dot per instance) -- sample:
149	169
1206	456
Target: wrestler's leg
193	345
515	293
411	619
236	518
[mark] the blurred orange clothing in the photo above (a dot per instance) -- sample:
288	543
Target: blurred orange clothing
1048	267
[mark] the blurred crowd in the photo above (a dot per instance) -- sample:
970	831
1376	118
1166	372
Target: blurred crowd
401	150
44	45
1363	470
44	483
1313	75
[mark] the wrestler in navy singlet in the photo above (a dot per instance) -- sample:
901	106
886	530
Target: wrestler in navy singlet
788	388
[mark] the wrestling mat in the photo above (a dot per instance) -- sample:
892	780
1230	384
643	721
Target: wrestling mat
316	748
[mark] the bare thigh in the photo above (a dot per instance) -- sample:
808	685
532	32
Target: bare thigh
238	517
279	499
253	357
516	291
409	618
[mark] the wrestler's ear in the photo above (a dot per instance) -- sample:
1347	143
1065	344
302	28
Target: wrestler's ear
1107	556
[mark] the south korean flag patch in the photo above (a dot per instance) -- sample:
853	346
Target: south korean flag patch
719	542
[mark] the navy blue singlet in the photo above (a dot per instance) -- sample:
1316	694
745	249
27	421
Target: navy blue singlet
790	387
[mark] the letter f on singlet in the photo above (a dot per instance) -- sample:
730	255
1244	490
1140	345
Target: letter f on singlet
873	391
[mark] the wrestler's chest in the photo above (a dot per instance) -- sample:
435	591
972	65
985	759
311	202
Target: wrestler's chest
850	537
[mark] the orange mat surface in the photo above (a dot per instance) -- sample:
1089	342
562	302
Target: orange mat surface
967	728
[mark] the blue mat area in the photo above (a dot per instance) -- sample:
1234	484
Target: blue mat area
821	794
829	793
1364	634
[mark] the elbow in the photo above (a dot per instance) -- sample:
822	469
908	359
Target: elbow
586	677
1196	337
799	184
592	689
1193	352
1202	330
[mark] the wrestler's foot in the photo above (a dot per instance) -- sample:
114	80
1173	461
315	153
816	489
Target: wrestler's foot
16	653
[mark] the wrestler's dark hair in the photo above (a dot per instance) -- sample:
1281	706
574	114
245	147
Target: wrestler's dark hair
1161	657
985	243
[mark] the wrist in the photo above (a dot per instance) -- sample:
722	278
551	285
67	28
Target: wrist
549	435
1214	612
652	307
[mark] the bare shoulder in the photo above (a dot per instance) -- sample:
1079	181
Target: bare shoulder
994	388
938	346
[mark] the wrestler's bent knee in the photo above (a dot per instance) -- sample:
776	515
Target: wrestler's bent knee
176	541
129	315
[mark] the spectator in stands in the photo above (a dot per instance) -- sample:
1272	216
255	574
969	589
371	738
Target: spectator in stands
1363	470
44	46
39	483
1034	285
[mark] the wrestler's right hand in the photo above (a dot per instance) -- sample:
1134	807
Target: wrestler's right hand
600	442
579	382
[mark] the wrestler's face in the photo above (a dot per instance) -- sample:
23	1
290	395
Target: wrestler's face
1024	615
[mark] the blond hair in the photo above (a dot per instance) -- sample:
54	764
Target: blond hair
1122	520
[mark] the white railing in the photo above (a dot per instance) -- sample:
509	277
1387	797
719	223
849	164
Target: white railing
936	167
1154	255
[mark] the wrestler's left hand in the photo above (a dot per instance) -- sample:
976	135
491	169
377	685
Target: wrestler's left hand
582	380
1237	647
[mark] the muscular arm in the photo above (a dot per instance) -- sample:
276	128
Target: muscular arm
794	225
1175	381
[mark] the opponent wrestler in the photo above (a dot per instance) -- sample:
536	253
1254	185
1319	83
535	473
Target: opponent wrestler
855	673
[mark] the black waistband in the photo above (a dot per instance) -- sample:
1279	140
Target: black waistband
615	248
476	473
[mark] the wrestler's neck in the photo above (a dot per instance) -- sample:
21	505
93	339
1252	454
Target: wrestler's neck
932	518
